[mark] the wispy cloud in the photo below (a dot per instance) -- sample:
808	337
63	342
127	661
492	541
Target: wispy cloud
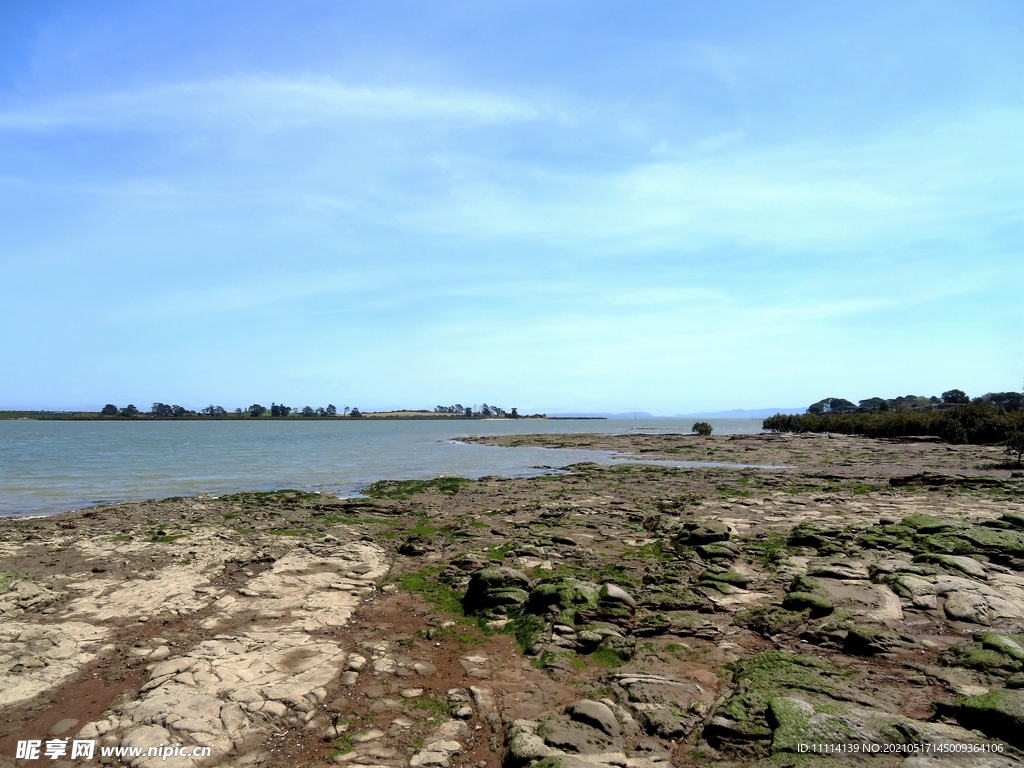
905	184
259	103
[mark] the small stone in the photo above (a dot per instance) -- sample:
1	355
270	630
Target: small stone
365	736
439	759
275	708
448	745
612	593
595	714
62	726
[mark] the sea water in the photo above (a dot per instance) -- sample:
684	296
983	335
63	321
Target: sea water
50	466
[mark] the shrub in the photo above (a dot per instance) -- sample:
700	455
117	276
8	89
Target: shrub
1015	444
701	428
976	424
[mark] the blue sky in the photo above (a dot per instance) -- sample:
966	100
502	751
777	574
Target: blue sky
674	207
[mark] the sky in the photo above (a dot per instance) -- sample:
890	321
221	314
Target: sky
556	206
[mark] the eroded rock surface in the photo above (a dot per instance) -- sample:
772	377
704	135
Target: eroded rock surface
632	616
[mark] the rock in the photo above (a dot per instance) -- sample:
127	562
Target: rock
722	576
1001	643
453	729
819	605
595	714
976	539
794	723
459	703
967	606
622	647
862	641
979	760
665	723
483	697
675	598
429	758
838	570
721	550
998	714
371	735
743	721
574	737
494	591
62	726
703	532
663	706
957	563
811	534
567	595
524	745
445	745
612	593
770	621
870	603
414	546
37	659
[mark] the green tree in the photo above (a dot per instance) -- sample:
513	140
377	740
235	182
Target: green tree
957	396
256	410
109	410
129	410
701	428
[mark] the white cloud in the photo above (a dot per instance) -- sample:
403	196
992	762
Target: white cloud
918	182
259	103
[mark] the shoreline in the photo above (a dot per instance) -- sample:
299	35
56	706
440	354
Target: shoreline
371	416
493	616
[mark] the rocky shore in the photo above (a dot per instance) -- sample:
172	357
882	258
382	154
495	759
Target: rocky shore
869	594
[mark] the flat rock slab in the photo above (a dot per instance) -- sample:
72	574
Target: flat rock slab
35	658
229	693
874	603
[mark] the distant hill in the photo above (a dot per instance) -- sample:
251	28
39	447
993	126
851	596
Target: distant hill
739	413
596	415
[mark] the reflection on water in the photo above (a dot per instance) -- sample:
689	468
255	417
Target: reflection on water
48	466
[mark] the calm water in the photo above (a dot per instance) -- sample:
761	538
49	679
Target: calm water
49	466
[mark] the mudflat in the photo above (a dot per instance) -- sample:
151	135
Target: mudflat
865	600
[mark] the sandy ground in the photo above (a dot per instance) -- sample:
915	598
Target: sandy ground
871	594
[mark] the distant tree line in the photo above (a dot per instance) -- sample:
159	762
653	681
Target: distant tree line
280	410
1010	401
997	417
485	410
276	410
